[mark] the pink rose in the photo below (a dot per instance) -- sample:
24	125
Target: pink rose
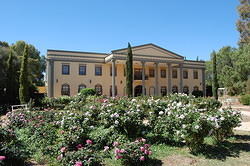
146	145
150	152
146	152
115	144
2	158
142	149
89	142
117	151
63	149
79	146
122	151
118	157
142	158
143	140
78	163
59	157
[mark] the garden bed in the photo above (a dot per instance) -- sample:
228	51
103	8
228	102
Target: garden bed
122	131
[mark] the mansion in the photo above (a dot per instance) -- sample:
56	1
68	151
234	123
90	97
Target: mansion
157	71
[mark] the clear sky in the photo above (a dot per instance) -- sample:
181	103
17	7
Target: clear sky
190	28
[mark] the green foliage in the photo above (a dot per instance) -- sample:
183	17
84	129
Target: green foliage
215	79
243	24
197	93
129	72
56	103
133	153
88	92
245	99
233	68
84	133
24	82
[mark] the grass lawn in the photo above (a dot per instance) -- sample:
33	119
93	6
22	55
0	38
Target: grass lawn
235	151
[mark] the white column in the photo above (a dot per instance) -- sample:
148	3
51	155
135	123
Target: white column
203	83
181	78
143	78
169	78
156	80
113	77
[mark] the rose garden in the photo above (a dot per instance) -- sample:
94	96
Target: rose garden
97	130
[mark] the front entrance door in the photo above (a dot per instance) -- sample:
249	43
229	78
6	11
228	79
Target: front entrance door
138	90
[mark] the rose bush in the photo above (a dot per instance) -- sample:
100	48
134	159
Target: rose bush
86	127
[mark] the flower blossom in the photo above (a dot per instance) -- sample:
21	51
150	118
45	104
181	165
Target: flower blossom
78	163
89	142
115	144
142	158
63	149
106	148
2	158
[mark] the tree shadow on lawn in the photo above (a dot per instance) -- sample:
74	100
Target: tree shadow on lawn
227	149
153	162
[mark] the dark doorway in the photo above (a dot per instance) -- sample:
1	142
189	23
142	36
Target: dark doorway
138	90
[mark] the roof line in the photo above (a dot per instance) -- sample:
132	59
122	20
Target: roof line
77	52
149	45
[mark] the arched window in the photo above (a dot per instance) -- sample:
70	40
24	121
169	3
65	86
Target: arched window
98	89
80	87
110	90
175	89
196	88
65	90
163	90
186	90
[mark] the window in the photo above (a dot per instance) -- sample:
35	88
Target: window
186	90
98	70
65	90
111	71
80	87
137	74
151	73
163	73
110	91
175	89
196	88
195	74
82	69
163	90
65	69
98	89
174	73
185	74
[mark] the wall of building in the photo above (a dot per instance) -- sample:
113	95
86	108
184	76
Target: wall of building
90	80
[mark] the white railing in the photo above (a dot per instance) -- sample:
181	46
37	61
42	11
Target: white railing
19	107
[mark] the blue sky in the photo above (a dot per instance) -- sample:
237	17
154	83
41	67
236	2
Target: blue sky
188	27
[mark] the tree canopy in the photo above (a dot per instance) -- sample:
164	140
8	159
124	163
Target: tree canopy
10	70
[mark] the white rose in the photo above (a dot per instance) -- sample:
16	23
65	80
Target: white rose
161	113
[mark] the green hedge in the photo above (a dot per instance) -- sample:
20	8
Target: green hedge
245	99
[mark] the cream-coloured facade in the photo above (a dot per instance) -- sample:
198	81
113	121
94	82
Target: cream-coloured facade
158	70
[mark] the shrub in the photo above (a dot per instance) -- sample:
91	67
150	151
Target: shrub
197	93
57	103
82	154
88	92
11	148
133	153
245	99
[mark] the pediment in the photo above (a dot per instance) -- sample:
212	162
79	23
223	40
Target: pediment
150	50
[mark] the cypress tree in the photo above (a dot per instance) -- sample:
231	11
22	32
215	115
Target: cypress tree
11	79
23	79
215	79
129	72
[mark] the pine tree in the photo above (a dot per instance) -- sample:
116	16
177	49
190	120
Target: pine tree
11	80
23	79
129	72
215	79
243	24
